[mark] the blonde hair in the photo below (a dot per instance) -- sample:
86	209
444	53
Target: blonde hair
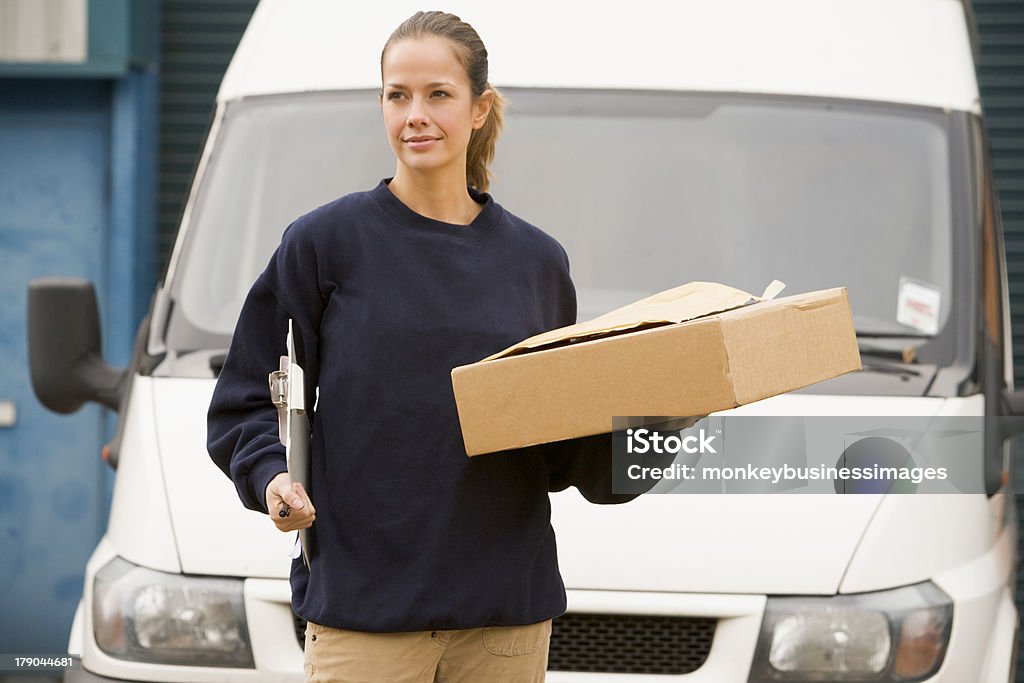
472	55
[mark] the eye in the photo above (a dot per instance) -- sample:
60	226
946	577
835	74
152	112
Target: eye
391	95
440	92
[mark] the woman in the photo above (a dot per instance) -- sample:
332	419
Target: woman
428	565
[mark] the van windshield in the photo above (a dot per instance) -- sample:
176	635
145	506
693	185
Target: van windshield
645	190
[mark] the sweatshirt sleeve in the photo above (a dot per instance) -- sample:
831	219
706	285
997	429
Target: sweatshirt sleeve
585	463
242	429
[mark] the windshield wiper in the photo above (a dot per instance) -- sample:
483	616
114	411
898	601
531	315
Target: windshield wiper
892	368
879	334
906	355
903	357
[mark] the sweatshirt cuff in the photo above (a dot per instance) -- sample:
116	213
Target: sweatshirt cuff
260	477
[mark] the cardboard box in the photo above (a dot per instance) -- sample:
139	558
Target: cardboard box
692	350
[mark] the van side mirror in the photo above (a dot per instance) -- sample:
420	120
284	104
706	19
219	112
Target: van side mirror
64	346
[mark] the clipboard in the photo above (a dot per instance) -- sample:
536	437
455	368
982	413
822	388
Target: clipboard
287	393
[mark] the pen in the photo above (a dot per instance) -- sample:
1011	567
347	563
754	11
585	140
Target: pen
284	511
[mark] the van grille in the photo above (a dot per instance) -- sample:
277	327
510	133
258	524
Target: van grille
619	643
630	644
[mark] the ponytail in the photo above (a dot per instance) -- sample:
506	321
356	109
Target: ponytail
482	142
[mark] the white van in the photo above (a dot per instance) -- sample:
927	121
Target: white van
829	144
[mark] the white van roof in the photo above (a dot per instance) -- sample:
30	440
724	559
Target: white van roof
909	51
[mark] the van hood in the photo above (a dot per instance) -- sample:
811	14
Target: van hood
704	543
215	534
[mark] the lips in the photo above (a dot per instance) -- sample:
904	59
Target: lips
419	138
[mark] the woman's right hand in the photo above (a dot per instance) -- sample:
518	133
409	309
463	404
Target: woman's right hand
281	490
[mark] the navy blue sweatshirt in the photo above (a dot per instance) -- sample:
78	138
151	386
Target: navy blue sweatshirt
410	532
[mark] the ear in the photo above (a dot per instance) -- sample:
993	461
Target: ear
482	108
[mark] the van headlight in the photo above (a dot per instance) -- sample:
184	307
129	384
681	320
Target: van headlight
893	635
144	615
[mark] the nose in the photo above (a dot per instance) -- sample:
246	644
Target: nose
417	113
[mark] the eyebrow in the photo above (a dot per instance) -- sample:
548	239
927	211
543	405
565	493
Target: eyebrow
429	85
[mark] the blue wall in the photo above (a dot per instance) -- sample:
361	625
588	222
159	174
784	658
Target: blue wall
55	138
77	170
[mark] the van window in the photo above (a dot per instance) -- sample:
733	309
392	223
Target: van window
646	190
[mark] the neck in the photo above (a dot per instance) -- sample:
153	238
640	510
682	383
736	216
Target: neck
441	196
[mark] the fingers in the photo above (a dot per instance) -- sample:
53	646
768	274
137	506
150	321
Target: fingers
305	502
283	491
294	502
277	489
687	422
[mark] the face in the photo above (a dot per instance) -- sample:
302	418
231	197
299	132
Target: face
428	105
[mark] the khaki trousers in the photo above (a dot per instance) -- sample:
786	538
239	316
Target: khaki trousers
495	654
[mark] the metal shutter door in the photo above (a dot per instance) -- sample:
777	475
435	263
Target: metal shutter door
1001	77
198	38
